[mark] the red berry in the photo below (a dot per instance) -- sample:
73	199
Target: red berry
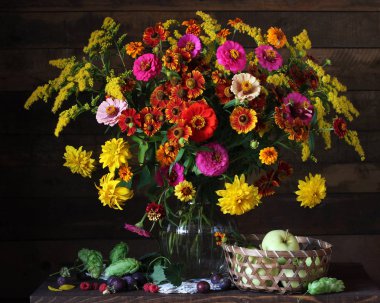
95	285
146	287
203	287
85	286
102	287
153	288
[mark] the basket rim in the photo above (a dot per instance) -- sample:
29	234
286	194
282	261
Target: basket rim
325	249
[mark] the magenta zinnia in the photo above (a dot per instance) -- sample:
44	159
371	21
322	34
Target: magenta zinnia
146	67
214	162
268	57
191	44
174	177
298	106
232	56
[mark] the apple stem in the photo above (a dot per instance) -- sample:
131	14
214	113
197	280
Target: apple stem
287	235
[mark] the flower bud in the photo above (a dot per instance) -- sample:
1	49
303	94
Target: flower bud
254	144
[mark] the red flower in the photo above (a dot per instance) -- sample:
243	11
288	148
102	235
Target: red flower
159	97
155	211
129	120
179	131
266	184
174	109
194	83
153	35
222	90
202	120
340	127
178	93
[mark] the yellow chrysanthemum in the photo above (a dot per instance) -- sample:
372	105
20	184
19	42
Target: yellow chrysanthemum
238	197
311	191
268	155
185	191
115	152
111	194
79	161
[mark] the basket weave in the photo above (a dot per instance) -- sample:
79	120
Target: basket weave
277	271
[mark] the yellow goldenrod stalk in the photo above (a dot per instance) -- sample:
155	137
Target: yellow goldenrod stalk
68	65
279	79
323	126
113	87
318	69
177	34
170	23
172	41
352	139
64	93
84	78
253	32
250	56
302	42
209	25
40	93
64	118
342	105
305	151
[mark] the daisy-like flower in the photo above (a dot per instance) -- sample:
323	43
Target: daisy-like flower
185	191
174	177
238	197
233	22
191	44
220	238
276	37
178	93
180	131
115	152
311	191
112	195
174	110
223	91
194	84
109	111
340	127
202	120
268	58
129	120
153	35
268	155
146	67
192	27
167	153
243	119
232	56
125	173
151	127
159	97
245	87
171	60
134	49
137	230
267	183
155	211
214	162
224	33
298	106
79	161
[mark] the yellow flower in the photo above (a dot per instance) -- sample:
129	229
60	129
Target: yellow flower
111	194
311	191
41	92
169	23
279	79
302	41
79	161
113	87
238	197
115	152
185	191
63	95
84	77
209	25
352	139
65	117
305	151
268	155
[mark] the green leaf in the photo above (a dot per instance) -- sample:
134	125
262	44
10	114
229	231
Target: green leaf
173	274
311	142
142	150
178	158
158	274
144	177
231	103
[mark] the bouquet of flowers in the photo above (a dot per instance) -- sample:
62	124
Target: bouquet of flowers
193	115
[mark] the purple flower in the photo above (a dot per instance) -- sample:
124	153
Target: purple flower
268	57
109	111
137	230
146	67
214	162
176	176
190	43
298	106
232	56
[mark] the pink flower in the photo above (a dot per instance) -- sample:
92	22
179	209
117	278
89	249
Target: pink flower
176	176
137	230
190	43
268	57
109	111
232	56
298	106
146	67
214	162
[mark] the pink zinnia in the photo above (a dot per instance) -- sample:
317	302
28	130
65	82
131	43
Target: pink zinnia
109	111
232	56
268	57
298	106
190	43
176	176
146	67
137	230
214	162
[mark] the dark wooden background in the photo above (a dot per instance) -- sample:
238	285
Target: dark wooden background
47	214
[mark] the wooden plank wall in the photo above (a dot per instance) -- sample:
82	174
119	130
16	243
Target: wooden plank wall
47	214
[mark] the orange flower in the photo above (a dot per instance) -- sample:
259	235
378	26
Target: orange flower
195	84
268	155
216	76
296	129
179	131
220	238
193	29
178	93
159	97
167	153
276	37
174	109
125	173
234	21
153	35
151	127
243	120
171	60
222	90
189	22
223	33
134	49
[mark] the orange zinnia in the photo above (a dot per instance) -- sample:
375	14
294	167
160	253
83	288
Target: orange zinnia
125	173
268	155
167	153
243	120
134	49
276	37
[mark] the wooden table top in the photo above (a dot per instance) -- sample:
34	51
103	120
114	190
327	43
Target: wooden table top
359	288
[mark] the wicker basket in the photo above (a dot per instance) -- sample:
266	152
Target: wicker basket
277	271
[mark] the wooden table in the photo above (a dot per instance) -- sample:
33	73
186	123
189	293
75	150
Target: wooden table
359	288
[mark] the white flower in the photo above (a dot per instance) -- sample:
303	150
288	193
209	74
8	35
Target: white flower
109	111
245	87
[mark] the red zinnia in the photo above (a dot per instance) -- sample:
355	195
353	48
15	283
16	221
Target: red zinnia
129	120
195	84
202	120
155	211
340	127
153	35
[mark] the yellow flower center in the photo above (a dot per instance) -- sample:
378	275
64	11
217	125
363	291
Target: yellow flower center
111	110
190	83
198	122
145	65
148	117
216	157
270	55
246	86
178	132
227	92
234	54
189	46
160	95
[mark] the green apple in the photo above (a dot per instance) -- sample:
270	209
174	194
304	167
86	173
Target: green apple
280	240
